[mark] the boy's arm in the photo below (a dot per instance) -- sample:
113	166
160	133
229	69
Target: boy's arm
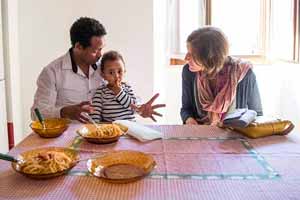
97	106
126	96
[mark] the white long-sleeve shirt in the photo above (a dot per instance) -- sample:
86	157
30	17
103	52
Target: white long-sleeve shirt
110	107
63	83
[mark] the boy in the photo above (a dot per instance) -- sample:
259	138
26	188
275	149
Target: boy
113	100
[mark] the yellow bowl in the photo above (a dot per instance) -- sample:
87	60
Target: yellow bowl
54	127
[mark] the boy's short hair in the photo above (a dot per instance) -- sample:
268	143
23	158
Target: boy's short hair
110	56
83	29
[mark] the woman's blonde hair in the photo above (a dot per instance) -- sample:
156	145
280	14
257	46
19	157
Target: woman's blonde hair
209	48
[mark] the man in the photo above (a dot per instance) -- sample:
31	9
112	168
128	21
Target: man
67	85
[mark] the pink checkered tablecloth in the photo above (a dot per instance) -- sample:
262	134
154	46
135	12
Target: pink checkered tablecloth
193	162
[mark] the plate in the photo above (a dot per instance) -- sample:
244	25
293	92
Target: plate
87	130
25	156
121	166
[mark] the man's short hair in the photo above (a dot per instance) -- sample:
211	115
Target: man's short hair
83	29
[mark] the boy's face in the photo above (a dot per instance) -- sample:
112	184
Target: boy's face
113	72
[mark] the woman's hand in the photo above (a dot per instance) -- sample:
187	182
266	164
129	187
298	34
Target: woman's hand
191	121
214	119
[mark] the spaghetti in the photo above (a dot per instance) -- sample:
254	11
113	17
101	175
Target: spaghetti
106	131
46	163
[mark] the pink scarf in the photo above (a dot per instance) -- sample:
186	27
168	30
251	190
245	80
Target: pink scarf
216	101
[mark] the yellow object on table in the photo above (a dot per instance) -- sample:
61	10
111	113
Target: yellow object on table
259	129
54	127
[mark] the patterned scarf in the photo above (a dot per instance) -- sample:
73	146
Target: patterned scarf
216	100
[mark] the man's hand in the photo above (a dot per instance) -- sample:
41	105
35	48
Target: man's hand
191	121
147	109
74	111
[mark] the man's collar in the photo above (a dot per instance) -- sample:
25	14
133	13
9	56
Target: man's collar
74	66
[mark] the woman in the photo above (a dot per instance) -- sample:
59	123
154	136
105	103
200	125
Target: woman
213	82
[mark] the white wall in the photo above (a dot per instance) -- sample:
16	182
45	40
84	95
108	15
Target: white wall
3	117
44	35
12	67
279	88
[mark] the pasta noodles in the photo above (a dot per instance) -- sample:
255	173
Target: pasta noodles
106	131
46	163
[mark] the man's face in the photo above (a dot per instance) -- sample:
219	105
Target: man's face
91	54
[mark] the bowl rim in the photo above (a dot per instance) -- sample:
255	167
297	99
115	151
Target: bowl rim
100	138
75	160
100	175
68	121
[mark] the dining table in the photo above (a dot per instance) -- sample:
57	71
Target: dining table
192	162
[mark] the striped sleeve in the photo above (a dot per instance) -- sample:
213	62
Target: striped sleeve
97	103
126	96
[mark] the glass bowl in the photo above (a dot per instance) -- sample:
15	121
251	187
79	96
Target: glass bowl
54	127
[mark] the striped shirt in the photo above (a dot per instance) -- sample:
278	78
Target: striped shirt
109	107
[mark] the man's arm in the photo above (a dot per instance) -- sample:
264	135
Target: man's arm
45	95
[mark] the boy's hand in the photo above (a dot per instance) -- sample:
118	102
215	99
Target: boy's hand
115	87
147	109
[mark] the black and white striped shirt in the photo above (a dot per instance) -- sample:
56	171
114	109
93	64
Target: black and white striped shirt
109	107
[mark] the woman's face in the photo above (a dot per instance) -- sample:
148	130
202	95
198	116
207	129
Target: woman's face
193	66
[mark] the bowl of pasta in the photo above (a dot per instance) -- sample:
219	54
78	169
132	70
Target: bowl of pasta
102	133
46	162
54	127
122	166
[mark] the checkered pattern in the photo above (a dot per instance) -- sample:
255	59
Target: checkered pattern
190	160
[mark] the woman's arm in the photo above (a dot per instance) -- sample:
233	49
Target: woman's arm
254	101
248	95
188	109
